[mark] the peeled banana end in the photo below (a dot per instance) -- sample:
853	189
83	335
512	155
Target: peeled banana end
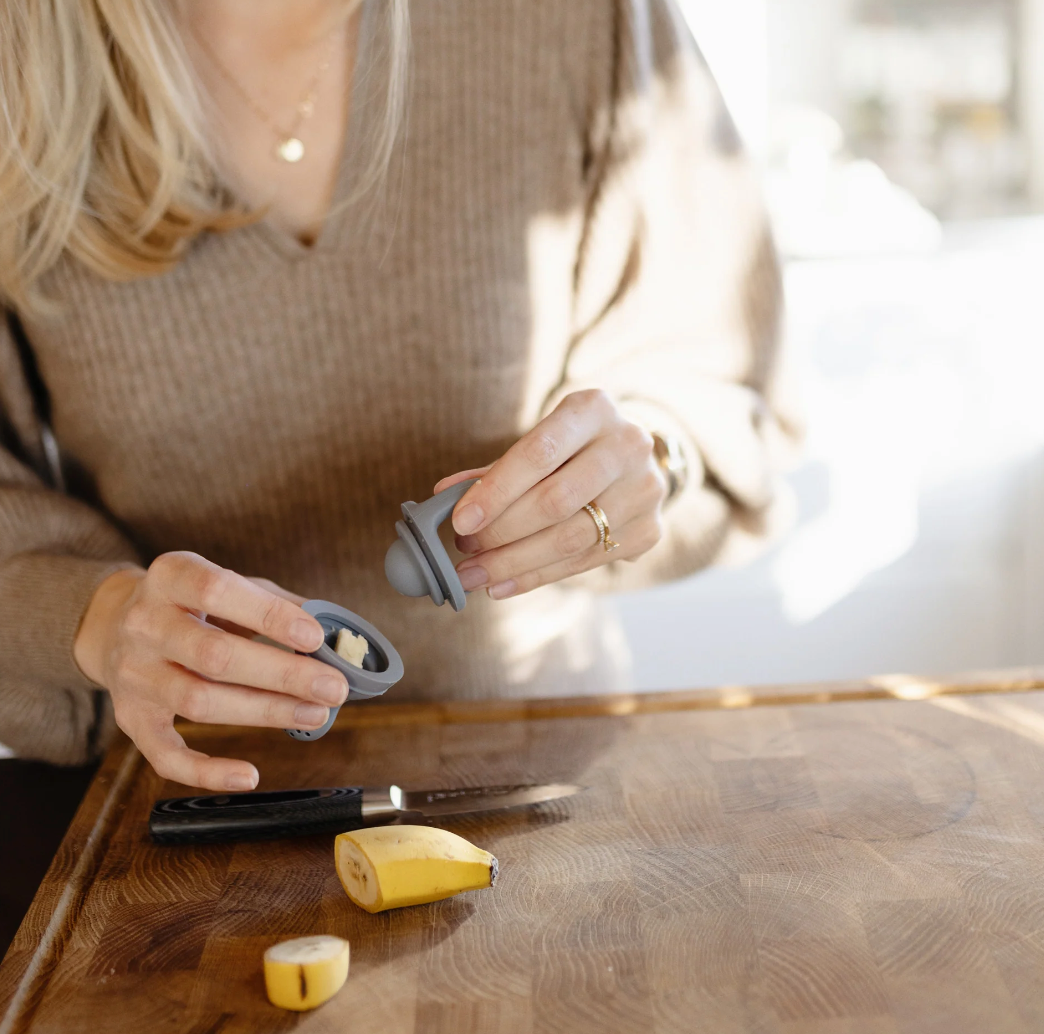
358	876
397	866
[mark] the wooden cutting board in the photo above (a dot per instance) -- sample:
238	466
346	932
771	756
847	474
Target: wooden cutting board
864	867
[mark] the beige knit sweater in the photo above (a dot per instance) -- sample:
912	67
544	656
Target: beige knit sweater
569	206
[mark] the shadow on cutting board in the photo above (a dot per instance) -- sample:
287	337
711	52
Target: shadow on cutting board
39	801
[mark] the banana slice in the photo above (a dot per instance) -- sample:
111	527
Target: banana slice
305	972
353	648
392	866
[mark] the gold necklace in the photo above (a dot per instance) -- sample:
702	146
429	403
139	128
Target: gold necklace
289	147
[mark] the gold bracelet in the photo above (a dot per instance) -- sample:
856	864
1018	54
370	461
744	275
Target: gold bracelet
671	460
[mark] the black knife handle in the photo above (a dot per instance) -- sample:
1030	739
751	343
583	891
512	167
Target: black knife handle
265	815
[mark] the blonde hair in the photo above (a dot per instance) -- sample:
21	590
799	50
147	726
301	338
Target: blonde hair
102	148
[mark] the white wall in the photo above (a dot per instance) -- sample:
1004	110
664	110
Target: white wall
1031	90
734	39
921	541
767	54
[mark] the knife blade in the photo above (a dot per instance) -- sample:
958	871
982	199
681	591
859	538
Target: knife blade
272	814
434	803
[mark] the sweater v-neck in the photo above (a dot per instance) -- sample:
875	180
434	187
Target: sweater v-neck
366	91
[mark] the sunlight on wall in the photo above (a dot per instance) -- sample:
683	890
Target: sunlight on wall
876	436
918	372
734	39
920	545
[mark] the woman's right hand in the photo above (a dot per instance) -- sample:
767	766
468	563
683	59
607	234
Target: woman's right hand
145	637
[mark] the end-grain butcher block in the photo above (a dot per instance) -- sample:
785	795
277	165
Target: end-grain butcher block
863	866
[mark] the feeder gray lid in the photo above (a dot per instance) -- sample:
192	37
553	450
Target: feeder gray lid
418	564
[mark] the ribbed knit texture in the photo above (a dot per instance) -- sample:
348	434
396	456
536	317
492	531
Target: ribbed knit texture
568	207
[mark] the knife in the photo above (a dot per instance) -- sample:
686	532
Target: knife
271	814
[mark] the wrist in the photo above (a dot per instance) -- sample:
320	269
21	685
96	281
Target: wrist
99	619
677	459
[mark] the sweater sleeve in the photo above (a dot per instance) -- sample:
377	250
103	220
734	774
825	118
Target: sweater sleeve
54	551
677	293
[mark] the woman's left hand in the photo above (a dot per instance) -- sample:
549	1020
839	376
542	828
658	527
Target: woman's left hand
524	524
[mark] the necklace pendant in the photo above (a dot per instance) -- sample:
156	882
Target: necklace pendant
290	150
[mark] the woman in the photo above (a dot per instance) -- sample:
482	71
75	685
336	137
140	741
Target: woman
265	279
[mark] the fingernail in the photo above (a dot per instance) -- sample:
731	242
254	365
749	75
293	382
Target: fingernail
502	590
330	690
467	543
465	522
310	714
239	781
473	578
306	634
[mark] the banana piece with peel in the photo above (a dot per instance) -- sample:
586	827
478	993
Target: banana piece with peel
305	972
392	866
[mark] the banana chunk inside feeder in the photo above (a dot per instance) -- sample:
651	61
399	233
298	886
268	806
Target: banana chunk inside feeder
352	647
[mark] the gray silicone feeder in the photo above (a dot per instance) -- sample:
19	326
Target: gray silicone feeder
417	564
382	665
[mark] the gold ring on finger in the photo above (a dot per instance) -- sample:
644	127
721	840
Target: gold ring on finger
605	540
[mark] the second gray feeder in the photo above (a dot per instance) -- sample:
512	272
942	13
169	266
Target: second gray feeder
418	564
